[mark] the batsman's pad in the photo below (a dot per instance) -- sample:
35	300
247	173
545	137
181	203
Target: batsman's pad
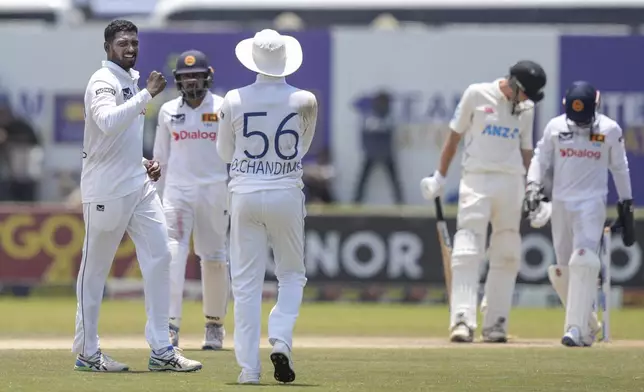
215	284
583	270
466	258
558	276
505	261
467	244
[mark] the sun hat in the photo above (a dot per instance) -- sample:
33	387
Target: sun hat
270	53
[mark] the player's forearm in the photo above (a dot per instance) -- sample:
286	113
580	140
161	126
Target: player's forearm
448	152
535	172
527	158
113	119
161	182
622	180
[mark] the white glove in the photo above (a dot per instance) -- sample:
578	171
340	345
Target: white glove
431	187
541	216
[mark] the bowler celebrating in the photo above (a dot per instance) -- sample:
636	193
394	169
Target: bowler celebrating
580	146
265	129
496	120
117	197
195	196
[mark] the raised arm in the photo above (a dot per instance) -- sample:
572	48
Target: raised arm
111	118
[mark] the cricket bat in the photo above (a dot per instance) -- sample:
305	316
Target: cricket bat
446	245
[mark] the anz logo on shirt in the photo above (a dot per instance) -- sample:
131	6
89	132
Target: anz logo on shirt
501	132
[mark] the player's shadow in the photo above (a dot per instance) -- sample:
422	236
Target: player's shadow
261	384
207	351
100	374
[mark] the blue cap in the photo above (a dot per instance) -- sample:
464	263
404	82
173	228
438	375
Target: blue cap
581	102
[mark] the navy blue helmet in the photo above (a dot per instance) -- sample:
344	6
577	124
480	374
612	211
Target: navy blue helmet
581	102
193	74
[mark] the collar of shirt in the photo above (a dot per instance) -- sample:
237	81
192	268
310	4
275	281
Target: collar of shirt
131	74
269	79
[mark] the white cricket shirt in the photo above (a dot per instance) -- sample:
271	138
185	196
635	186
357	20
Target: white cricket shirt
113	139
493	136
580	165
186	142
264	131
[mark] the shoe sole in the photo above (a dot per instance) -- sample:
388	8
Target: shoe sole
497	340
86	369
187	370
568	342
283	371
461	339
211	347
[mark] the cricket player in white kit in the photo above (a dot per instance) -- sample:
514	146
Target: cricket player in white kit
581	146
496	120
119	197
194	193
264	131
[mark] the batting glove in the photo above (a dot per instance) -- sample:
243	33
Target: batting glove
432	186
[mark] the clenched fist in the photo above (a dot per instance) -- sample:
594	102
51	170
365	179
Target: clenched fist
153	169
156	83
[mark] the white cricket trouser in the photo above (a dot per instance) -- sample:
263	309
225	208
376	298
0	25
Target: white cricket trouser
257	219
202	209
576	225
486	198
140	214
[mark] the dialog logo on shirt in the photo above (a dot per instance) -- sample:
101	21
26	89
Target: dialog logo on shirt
194	135
502	132
578	153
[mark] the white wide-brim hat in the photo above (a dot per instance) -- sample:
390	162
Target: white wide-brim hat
270	53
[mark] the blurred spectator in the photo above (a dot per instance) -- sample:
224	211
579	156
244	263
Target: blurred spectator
317	178
22	157
377	141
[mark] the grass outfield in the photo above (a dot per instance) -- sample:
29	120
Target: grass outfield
442	367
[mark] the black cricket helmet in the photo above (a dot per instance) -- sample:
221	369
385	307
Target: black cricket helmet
195	64
581	102
528	77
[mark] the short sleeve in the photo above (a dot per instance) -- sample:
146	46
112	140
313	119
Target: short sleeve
462	119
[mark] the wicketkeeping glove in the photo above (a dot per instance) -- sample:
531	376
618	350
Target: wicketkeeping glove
533	197
625	222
